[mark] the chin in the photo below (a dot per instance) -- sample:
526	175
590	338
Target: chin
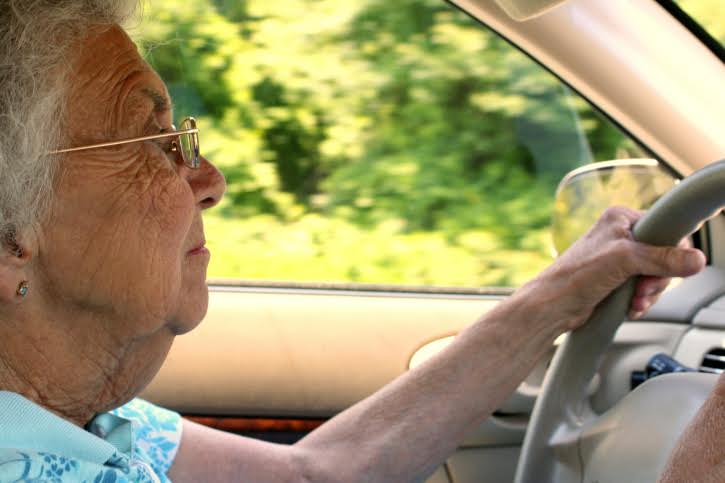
190	311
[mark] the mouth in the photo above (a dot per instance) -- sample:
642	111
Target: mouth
199	249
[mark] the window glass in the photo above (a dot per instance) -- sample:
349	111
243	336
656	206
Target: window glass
710	14
372	141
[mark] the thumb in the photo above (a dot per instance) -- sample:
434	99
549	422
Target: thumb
669	261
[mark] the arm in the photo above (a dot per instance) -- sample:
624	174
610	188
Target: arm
699	456
408	428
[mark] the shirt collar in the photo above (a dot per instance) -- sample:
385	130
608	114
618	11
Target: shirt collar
26	426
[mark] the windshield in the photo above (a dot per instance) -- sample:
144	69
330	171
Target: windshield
710	14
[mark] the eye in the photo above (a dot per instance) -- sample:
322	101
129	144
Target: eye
167	145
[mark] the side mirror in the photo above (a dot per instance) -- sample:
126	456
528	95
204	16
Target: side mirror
586	192
521	10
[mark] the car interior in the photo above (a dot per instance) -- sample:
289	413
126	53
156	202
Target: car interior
275	358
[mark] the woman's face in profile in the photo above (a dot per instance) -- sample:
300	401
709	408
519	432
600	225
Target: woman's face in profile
125	238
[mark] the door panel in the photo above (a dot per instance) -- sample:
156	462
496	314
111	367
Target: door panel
490	465
301	354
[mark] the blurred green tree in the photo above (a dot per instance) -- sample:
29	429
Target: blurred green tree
396	123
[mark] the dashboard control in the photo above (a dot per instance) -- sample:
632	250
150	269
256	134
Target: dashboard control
659	364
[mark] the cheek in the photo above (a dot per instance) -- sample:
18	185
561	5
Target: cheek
117	239
157	224
165	212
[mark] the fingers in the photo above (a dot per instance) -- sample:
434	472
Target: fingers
646	294
662	262
615	213
608	255
619	220
651	286
654	264
643	259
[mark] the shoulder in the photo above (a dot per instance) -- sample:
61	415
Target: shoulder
32	466
151	418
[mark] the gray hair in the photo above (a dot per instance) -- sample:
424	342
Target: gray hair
35	41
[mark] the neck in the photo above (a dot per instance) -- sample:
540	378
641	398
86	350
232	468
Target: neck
74	371
36	378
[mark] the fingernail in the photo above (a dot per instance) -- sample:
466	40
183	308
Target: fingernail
635	315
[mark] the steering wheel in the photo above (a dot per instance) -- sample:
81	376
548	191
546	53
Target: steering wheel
566	440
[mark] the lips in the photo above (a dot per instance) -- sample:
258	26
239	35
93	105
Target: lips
199	249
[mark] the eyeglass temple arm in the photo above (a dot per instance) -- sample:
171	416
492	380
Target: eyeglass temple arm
126	141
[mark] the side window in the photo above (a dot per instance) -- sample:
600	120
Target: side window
709	14
373	141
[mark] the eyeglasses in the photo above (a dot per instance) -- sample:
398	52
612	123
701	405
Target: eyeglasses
186	142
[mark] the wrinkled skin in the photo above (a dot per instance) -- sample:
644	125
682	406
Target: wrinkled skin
699	456
113	270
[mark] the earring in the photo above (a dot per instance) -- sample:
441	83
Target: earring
23	288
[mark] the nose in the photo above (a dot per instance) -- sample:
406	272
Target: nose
207	183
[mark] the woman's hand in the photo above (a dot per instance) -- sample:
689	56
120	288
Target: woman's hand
601	261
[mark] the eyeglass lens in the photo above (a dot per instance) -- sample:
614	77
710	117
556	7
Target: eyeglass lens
189	143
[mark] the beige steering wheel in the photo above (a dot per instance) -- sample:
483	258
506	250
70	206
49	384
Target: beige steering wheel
566	440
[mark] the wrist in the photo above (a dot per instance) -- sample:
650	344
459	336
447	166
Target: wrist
531	313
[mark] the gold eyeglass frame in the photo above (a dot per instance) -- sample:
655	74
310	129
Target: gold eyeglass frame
193	163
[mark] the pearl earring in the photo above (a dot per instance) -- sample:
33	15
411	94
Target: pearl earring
23	288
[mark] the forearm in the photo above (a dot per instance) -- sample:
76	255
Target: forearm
404	431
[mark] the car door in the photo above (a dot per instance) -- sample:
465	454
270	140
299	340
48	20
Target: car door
391	170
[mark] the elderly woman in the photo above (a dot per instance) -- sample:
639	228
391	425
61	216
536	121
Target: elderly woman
103	264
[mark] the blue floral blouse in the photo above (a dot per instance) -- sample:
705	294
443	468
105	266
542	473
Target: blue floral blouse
134	443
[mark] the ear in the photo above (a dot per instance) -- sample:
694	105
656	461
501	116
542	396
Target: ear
15	256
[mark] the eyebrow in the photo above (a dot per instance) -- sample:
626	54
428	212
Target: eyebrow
161	102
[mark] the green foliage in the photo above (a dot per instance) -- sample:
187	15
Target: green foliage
315	248
709	13
368	140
